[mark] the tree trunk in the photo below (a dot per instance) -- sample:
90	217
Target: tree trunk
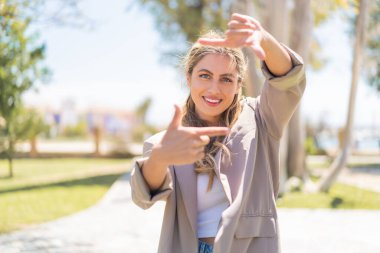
340	162
295	159
302	24
33	147
277	19
276	22
10	157
253	81
97	140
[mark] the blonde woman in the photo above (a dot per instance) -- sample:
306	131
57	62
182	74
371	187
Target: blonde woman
216	165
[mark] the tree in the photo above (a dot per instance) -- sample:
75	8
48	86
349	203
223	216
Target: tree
20	60
275	17
181	21
141	126
32	126
142	110
253	81
26	124
302	27
340	161
21	55
372	47
43	12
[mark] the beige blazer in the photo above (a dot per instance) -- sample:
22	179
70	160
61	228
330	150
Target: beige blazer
250	179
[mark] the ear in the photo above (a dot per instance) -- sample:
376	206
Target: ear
239	87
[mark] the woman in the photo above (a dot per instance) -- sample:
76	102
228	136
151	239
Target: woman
217	163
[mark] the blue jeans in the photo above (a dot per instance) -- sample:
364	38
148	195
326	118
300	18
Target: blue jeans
204	247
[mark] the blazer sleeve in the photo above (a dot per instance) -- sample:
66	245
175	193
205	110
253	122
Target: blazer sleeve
141	194
281	95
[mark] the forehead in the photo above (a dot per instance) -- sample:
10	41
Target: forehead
217	63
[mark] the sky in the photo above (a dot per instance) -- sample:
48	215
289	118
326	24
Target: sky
117	65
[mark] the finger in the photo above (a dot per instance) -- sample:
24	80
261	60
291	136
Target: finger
240	32
213	42
205	139
245	19
177	118
255	23
201	141
240	17
211	131
233	24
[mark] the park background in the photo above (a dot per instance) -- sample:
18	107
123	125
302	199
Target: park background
112	81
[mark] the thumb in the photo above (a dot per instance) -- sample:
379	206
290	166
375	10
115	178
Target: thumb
177	118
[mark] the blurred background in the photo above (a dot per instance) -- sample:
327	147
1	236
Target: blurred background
83	83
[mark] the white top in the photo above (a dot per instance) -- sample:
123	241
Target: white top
210	205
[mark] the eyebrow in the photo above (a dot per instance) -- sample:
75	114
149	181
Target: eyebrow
224	75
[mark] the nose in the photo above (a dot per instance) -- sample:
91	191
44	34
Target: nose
214	87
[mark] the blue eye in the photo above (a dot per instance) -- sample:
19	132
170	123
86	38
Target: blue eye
226	80
205	76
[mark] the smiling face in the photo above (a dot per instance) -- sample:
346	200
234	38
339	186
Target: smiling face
213	85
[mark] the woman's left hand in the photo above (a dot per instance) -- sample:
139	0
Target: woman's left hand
243	31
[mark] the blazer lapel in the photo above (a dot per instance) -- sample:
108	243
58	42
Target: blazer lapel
222	177
187	181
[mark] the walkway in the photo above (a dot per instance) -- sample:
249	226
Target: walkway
116	225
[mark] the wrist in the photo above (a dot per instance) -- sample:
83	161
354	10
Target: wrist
157	157
267	41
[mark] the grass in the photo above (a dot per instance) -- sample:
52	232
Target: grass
364	166
30	172
341	196
46	189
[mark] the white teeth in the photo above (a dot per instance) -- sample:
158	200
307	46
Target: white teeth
212	100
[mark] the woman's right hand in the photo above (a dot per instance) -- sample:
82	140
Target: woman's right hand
183	145
243	31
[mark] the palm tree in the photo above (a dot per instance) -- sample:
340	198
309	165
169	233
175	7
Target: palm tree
341	160
301	36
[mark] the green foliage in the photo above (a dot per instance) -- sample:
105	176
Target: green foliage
372	50
140	132
44	190
142	109
340	196
371	63
44	12
28	124
77	130
311	148
182	21
34	172
323	10
23	208
141	127
20	61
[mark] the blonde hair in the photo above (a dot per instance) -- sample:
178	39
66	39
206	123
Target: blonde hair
228	117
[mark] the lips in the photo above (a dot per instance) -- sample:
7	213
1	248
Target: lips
212	101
